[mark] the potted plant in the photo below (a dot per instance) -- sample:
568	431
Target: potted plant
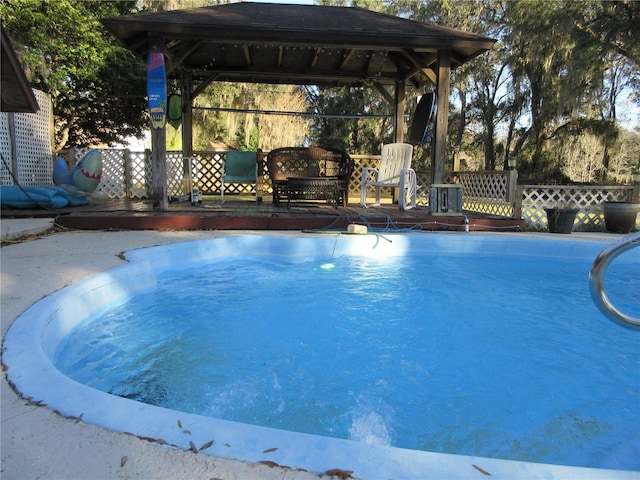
560	219
620	217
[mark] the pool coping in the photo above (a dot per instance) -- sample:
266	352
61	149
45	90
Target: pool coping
289	453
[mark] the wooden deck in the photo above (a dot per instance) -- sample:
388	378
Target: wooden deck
245	214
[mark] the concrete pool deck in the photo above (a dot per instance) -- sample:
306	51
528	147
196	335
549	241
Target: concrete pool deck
38	443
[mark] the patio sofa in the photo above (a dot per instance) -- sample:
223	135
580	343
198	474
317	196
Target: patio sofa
310	173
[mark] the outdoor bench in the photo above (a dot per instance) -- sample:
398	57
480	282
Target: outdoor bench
310	173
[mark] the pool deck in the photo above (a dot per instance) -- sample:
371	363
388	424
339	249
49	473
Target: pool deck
37	260
243	214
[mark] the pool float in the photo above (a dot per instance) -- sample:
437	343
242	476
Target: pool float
85	176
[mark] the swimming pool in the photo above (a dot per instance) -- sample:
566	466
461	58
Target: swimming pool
232	439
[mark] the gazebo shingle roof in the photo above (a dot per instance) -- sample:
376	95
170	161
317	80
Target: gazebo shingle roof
299	44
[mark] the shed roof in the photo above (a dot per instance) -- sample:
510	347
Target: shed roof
297	44
17	95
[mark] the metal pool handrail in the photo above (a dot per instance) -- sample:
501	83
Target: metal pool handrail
596	281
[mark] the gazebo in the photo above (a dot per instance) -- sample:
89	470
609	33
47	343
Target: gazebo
300	45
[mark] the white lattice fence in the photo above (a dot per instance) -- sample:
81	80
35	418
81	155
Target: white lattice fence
25	145
372	161
139	174
177	175
209	175
485	192
588	198
488	192
363	161
113	173
5	150
422	194
112	182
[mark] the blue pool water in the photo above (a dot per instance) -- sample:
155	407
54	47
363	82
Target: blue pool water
488	348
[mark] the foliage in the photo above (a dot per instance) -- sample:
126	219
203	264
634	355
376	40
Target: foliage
556	74
97	87
354	119
230	113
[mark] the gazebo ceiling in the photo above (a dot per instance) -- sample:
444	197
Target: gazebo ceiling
297	44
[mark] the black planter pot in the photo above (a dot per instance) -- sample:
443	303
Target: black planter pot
620	217
561	220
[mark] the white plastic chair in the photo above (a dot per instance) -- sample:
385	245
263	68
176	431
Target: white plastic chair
394	172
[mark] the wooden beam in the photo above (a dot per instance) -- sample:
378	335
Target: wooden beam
306	77
159	169
314	60
431	75
177	53
347	54
187	113
424	63
204	84
399	103
158	155
386	95
442	116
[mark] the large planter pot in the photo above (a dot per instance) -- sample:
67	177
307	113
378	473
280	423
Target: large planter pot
561	220
620	217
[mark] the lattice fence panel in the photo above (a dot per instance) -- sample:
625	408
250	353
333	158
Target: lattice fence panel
6	170
32	134
113	173
424	182
589	199
372	161
209	174
140	176
486	192
265	181
177	175
363	161
112	182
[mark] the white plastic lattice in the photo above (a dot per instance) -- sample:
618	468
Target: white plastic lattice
33	150
486	192
128	174
140	177
6	169
587	198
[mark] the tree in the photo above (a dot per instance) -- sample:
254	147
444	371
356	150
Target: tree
558	69
97	87
229	113
357	135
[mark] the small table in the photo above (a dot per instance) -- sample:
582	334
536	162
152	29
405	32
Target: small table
314	188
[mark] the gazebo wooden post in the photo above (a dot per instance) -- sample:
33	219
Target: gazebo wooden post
158	155
442	116
186	90
186	84
398	119
159	168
